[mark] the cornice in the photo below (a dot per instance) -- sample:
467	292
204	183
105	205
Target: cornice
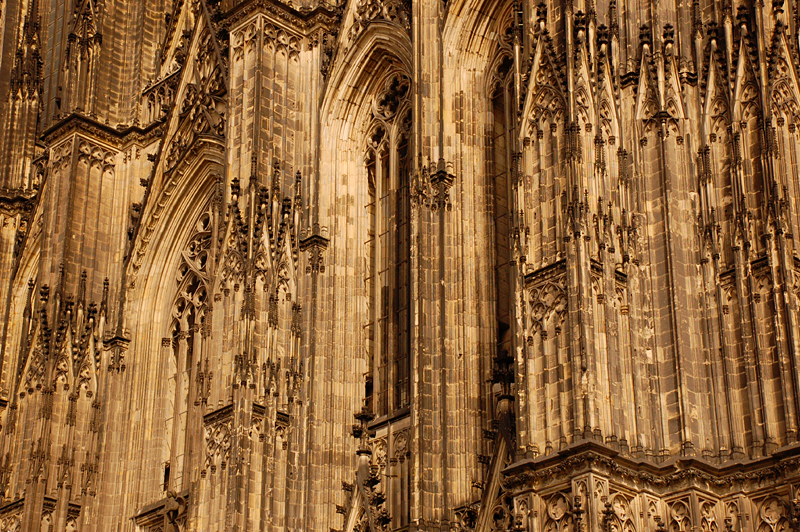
118	137
593	456
303	21
314	241
220	414
225	413
17	201
12	507
116	342
550	271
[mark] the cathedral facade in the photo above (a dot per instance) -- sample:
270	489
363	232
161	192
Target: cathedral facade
399	265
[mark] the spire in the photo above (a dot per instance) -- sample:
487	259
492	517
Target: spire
26	75
83	50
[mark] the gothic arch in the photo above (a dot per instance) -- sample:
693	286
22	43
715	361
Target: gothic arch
498	70
467	34
387	153
381	48
394	117
746	102
784	100
171	195
164	275
347	110
180	204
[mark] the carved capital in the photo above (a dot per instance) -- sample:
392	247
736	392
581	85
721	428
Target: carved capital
315	242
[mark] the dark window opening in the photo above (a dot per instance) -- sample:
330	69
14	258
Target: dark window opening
166	476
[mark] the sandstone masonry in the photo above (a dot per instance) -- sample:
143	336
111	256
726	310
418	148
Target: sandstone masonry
399	265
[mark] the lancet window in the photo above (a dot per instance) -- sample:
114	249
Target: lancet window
500	171
387	161
184	345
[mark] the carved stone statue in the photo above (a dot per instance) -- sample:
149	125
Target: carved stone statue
174	508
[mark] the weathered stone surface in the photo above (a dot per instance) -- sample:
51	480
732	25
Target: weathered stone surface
399	265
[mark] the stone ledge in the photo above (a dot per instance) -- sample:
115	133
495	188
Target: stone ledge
590	455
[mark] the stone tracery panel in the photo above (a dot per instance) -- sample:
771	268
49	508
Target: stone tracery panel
773	516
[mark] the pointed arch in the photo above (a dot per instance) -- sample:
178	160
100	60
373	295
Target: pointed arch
167	282
473	28
381	50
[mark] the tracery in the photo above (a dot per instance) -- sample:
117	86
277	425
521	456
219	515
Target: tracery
387	160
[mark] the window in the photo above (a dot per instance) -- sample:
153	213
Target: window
500	171
387	161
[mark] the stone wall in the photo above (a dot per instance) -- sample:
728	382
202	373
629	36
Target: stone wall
386	265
